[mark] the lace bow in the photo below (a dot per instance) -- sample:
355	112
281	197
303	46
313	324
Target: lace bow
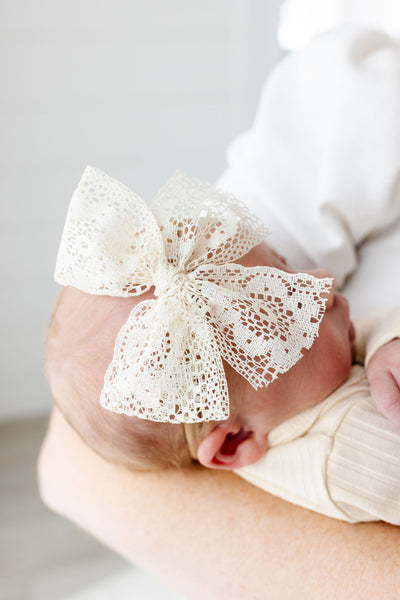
168	356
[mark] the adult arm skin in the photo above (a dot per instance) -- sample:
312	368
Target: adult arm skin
212	535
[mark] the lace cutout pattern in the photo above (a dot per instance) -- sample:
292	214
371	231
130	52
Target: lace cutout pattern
168	356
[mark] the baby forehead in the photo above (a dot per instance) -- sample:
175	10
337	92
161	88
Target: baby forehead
78	315
263	255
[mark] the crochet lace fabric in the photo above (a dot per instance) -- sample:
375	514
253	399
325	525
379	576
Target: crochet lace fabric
168	356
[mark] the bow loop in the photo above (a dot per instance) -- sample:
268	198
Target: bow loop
110	239
201	224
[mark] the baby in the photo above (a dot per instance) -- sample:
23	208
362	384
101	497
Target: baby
204	346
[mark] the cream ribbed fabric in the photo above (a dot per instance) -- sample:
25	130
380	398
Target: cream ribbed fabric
340	458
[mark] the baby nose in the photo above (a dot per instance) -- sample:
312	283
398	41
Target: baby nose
322	274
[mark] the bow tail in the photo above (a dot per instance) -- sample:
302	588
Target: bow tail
263	319
166	366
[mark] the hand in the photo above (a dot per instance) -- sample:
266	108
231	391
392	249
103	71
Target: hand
383	373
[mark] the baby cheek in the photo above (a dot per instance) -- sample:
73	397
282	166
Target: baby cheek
337	357
327	366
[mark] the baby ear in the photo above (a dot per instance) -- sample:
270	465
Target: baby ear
231	446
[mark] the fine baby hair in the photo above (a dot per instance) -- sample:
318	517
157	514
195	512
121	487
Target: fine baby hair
159	315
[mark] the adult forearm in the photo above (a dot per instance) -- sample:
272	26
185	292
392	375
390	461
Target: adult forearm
212	535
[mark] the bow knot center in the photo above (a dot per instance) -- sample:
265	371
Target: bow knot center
169	280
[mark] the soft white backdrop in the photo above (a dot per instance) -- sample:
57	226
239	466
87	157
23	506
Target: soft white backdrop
301	20
135	88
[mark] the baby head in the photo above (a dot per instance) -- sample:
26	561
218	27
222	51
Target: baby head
80	345
194	334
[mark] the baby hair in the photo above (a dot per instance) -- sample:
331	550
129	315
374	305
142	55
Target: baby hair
80	342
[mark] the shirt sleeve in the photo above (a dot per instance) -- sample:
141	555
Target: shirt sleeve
364	464
374	331
322	160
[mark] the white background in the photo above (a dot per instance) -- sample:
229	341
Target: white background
136	88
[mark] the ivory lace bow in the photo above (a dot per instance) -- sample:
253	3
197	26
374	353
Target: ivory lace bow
168	356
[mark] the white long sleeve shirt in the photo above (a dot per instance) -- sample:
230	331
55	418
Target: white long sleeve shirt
321	164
